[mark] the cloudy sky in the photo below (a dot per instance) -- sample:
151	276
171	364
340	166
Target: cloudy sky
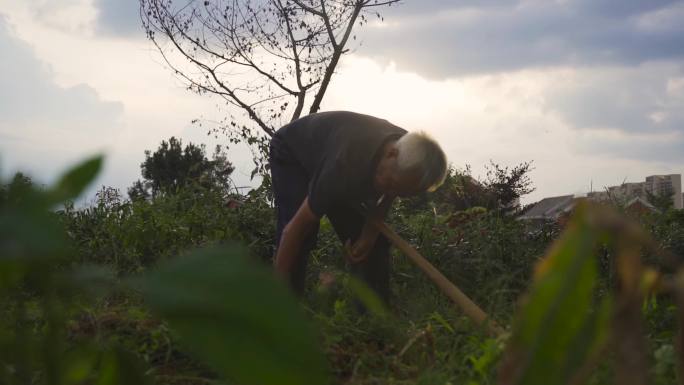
591	91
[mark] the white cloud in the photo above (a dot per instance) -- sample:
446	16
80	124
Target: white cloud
643	99
455	38
73	16
119	18
42	124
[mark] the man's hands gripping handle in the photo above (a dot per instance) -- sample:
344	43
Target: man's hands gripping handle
359	250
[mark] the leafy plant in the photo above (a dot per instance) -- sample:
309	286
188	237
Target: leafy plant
230	312
592	297
566	325
235	317
38	292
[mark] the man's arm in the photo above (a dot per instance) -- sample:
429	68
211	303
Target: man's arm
295	232
369	234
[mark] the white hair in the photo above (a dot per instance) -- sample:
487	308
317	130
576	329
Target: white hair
418	152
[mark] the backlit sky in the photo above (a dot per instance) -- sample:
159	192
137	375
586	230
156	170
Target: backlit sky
591	91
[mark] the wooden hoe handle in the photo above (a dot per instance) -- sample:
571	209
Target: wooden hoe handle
469	307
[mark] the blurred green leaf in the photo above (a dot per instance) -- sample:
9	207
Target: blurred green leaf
236	317
79	364
438	317
91	280
560	325
72	184
665	358
368	298
120	367
29	236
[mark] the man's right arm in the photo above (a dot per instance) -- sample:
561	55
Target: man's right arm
302	224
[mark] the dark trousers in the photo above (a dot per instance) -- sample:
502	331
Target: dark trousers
290	187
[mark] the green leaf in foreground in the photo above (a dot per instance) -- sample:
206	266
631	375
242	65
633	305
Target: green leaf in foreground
367	297
236	317
74	181
560	326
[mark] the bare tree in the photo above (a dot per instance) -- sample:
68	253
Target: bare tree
263	57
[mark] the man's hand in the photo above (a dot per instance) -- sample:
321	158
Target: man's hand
358	252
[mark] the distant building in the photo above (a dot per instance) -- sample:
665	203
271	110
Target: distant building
639	205
550	208
632	196
559	208
669	185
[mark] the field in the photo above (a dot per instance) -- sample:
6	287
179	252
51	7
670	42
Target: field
177	289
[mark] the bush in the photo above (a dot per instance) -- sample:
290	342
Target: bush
133	235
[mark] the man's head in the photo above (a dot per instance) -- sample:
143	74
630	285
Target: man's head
413	164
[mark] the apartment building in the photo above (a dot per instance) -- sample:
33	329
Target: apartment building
670	185
666	185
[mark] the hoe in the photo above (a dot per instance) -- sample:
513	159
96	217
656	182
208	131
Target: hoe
469	307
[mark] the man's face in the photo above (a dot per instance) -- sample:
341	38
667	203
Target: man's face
404	184
391	182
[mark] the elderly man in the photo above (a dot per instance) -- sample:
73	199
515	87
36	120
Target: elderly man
342	164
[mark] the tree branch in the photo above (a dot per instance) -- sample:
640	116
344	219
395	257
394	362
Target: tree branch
298	70
255	55
378	4
308	9
250	112
339	50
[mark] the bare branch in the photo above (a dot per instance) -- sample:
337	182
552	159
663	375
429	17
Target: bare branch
308	9
339	50
328	27
298	70
369	3
228	91
261	58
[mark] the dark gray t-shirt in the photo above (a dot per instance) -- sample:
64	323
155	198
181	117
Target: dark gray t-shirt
339	150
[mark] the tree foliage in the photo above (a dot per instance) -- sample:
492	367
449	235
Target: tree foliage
16	189
662	202
509	184
173	166
500	191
